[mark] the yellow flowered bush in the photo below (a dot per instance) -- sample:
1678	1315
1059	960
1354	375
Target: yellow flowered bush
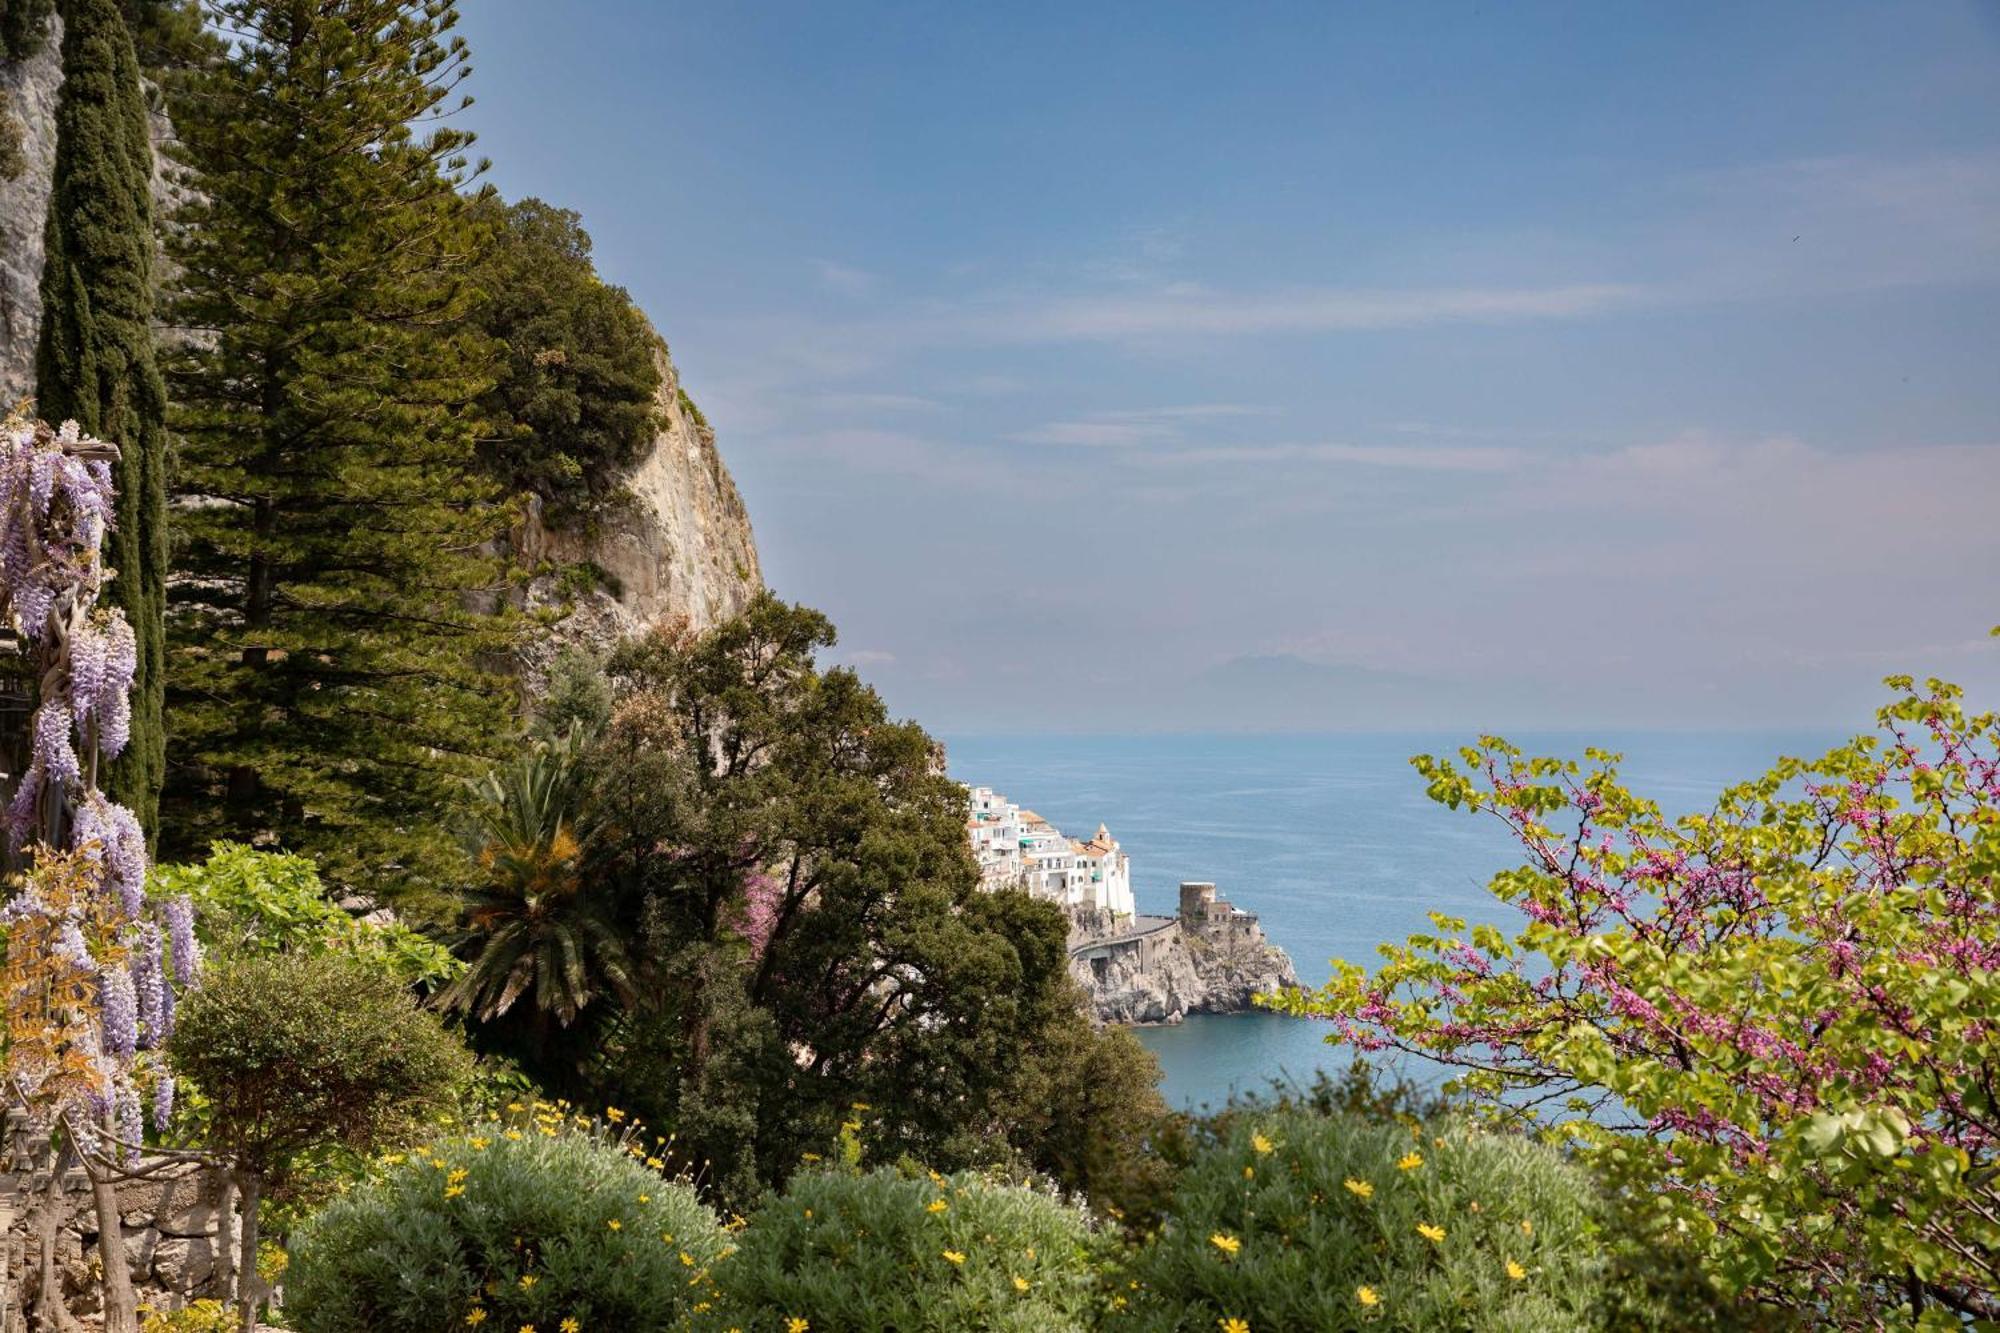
526	1222
847	1251
1340	1228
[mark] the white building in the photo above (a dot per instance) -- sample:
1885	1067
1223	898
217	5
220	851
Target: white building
1017	847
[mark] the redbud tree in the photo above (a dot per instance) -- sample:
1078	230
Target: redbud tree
1774	1025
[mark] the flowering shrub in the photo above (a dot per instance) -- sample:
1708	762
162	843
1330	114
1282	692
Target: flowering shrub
911	1252
1774	1023
1300	1221
536	1220
200	1317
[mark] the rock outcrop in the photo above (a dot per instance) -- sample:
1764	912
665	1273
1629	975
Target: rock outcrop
30	86
1213	958
678	547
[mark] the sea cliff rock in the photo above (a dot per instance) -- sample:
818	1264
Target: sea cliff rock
1212	958
678	546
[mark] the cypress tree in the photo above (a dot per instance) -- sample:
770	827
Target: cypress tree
95	362
330	687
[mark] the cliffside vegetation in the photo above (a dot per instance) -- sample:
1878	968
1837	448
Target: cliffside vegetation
573	394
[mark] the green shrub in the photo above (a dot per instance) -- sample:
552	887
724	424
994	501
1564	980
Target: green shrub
1332	1222
513	1224
247	901
909	1252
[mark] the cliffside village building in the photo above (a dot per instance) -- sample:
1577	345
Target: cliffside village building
1019	847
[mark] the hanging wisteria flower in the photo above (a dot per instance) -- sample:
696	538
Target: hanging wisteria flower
181	942
54	755
163	1101
149	982
121	1011
120	847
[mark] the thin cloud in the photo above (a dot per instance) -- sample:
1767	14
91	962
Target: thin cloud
1419	458
1184	310
1134	426
843	278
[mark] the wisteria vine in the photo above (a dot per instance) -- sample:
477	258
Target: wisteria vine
93	965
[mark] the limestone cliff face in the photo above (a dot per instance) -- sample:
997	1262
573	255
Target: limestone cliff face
679	547
30	86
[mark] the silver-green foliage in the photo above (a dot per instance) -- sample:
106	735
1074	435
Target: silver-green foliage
529	1227
1266	1228
914	1253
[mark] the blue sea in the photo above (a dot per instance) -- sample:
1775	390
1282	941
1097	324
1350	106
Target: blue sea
1329	838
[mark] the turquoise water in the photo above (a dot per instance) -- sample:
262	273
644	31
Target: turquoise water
1329	838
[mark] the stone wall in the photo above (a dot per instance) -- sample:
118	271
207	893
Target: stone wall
170	1223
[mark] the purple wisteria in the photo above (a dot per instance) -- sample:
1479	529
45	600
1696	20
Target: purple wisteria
91	963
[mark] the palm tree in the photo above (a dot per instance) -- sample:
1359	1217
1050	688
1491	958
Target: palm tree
533	928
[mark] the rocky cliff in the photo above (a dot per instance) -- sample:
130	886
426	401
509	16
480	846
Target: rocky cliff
30	87
679	547
1161	969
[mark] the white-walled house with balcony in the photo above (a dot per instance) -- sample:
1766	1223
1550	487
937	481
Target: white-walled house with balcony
1019	847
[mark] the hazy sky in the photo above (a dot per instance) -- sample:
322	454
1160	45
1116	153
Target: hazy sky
1101	366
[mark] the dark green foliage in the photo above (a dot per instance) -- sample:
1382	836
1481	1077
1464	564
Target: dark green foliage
575	696
796	869
332	687
1266	1227
300	1053
875	1252
24	26
456	1229
95	361
580	370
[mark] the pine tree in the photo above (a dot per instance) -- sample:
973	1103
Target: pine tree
329	682
95	363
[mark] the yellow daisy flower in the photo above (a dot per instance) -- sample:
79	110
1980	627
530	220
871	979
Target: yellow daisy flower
1367	1296
1527	1227
1233	1325
1360	1189
475	1316
1262	1146
1229	1245
528	1280
796	1325
1515	1271
954	1256
1020	1283
1410	1161
1433	1234
571	1325
615	1224
936	1206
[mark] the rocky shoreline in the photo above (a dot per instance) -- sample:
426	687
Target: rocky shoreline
1211	958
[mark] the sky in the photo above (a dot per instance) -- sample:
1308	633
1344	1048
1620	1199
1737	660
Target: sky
1195	367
